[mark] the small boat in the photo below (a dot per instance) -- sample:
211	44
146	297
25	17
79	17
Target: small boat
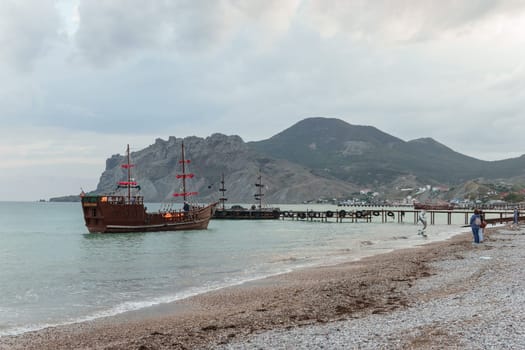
433	206
255	212
127	213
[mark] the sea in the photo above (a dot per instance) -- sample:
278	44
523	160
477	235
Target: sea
53	272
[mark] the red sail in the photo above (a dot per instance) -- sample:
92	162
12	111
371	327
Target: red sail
187	161
185	176
127	166
185	194
127	183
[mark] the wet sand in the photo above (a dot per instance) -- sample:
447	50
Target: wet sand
374	285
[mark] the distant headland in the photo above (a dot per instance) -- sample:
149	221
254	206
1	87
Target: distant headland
70	198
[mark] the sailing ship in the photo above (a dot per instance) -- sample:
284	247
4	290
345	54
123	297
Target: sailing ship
127	213
255	212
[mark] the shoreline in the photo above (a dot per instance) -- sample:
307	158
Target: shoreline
365	249
376	285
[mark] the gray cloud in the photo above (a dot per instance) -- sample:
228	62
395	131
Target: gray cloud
198	67
129	70
403	20
27	30
120	29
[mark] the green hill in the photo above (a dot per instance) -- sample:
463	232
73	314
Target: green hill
366	155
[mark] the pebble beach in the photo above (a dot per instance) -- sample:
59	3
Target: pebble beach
443	295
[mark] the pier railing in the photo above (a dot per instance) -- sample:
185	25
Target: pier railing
385	215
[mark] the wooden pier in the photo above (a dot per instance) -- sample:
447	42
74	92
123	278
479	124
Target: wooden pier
385	215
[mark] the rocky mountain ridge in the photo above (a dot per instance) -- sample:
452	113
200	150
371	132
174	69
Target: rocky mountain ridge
157	166
315	158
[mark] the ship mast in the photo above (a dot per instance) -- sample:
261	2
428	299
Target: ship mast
222	190
184	176
258	196
183	162
129	184
129	174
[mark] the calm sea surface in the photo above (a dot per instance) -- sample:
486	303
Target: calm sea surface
53	272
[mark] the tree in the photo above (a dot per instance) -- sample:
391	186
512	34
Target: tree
514	197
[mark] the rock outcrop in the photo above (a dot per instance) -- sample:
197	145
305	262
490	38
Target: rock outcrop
156	168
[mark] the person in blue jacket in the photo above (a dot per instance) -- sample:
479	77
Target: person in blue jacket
475	222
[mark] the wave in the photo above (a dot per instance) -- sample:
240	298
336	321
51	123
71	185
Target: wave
342	255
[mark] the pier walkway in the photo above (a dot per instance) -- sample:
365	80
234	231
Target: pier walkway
385	215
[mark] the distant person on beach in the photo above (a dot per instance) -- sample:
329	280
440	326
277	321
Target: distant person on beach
482	225
475	223
422	219
516	216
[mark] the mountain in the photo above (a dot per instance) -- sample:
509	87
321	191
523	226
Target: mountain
157	165
367	156
315	158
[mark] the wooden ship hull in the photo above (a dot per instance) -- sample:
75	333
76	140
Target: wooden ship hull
114	214
247	214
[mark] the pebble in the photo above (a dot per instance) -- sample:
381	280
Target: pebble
476	301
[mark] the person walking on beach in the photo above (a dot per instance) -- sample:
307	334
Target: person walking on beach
475	222
422	219
482	225
516	216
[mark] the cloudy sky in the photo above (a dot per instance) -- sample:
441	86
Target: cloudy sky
79	79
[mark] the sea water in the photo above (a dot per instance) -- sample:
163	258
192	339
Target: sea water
53	272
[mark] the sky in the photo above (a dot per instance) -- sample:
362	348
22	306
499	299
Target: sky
80	79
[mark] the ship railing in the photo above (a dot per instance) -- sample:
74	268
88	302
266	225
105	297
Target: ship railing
122	200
